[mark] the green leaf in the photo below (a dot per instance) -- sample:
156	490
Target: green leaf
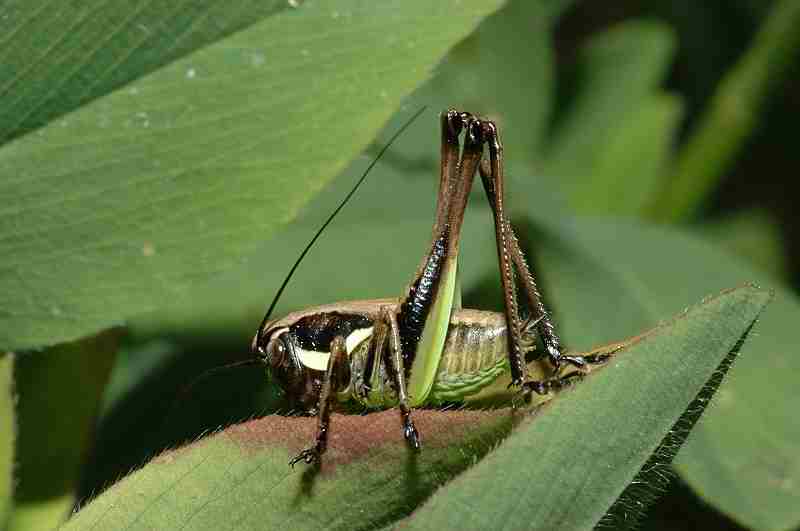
240	477
137	198
57	57
59	393
750	434
617	128
566	467
8	433
629	163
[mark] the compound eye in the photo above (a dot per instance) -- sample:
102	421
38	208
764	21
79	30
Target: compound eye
276	350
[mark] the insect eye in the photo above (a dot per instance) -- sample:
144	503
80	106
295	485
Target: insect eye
276	351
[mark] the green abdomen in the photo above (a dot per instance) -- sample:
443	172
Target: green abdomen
475	354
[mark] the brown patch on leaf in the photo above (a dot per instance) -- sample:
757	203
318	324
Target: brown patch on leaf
359	436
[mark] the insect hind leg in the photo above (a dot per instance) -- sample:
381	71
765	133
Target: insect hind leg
521	335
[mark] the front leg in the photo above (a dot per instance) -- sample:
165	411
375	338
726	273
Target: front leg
337	373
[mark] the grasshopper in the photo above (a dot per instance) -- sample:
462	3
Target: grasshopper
423	348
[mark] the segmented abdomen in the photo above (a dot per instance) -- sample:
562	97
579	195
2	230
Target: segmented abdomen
475	354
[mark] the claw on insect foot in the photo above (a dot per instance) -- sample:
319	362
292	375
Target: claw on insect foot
309	455
516	382
412	436
409	430
576	361
540	388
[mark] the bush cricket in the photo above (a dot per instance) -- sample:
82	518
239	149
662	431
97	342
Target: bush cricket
423	348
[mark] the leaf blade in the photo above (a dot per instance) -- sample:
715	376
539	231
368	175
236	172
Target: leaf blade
564	469
57	58
100	226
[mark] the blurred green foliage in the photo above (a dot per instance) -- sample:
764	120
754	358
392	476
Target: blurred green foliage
160	168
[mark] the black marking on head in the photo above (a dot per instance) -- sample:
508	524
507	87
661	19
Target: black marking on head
316	332
416	306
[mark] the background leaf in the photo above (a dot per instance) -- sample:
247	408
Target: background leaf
59	56
59	394
732	114
630	161
614	136
143	194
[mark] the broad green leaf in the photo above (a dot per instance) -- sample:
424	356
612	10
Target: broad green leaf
605	124
59	393
8	431
139	197
565	468
742	457
239	478
57	56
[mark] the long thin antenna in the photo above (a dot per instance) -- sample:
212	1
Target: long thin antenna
186	389
333	215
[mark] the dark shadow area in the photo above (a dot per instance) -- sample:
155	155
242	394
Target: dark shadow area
307	482
171	407
678	508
